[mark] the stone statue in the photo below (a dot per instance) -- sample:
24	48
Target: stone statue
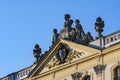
79	31
55	36
88	38
64	33
99	24
72	34
68	22
37	52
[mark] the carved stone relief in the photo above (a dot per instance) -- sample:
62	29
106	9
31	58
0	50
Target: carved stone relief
70	55
99	69
76	76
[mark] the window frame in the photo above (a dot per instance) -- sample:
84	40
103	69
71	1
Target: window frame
86	77
115	73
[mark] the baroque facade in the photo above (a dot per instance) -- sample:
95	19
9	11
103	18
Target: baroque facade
75	55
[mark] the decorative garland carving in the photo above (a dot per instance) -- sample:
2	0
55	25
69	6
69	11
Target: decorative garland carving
74	55
68	56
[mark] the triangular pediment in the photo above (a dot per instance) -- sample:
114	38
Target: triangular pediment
62	53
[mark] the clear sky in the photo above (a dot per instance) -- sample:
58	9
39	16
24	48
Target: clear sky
23	23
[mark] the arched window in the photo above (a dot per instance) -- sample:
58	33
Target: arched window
87	77
111	39
117	73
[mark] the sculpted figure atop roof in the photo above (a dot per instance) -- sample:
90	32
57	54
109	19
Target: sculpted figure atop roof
68	22
74	34
80	34
55	36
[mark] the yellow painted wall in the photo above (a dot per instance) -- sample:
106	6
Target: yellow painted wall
46	77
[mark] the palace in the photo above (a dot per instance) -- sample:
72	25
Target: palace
75	55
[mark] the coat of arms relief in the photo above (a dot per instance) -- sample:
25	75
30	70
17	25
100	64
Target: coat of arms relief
64	55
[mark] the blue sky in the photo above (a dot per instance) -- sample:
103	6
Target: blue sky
23	23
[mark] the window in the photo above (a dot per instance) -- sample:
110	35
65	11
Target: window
115	38
24	73
117	73
18	75
8	79
87	77
107	40
111	39
118	36
29	70
21	74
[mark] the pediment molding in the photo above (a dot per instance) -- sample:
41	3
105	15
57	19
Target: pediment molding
74	53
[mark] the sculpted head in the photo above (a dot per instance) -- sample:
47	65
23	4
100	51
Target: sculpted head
67	17
77	21
55	31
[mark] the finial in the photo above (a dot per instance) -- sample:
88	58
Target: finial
37	52
99	24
